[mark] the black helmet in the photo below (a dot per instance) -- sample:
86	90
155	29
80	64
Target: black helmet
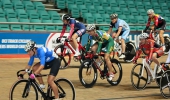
65	17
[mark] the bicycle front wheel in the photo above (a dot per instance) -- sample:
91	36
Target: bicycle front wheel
64	58
139	77
23	90
65	88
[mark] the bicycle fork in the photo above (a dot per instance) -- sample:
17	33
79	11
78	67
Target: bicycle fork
26	89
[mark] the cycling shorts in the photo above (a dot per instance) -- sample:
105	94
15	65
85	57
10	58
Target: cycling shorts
109	46
80	32
159	52
124	34
162	25
54	65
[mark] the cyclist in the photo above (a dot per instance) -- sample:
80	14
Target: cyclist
47	61
151	49
122	30
159	22
77	29
102	40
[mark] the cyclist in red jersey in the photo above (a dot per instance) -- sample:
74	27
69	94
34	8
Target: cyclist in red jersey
159	22
149	48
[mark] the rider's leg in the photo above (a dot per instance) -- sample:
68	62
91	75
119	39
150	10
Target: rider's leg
161	32
123	44
74	39
108	63
53	73
34	68
155	55
94	47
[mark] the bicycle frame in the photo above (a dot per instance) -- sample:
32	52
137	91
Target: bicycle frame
67	45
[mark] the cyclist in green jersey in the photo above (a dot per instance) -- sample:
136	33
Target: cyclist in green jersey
102	40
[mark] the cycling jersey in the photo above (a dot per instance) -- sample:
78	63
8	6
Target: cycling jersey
120	23
149	48
101	37
74	25
157	19
44	55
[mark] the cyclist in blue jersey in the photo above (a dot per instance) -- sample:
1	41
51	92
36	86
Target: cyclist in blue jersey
77	29
48	60
122	30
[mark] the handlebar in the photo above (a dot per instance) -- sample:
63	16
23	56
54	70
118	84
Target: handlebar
29	73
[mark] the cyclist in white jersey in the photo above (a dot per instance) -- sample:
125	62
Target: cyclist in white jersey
123	30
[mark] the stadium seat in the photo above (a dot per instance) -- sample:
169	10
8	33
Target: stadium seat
35	21
2	14
113	3
7	4
122	4
50	28
92	9
10	13
90	20
82	9
130	4
125	11
21	13
24	20
18	5
75	13
33	15
47	21
96	2
38	28
4	27
108	10
38	5
43	15
12	20
16	27
79	2
88	3
60	4
57	21
133	28
59	28
28	5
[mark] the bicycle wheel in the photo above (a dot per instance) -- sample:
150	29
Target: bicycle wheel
117	70
167	44
66	89
87	74
130	52
165	84
23	90
138	80
66	59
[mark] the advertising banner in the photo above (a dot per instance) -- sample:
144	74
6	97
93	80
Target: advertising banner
13	42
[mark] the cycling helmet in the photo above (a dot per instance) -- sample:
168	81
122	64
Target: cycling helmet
90	27
150	11
143	36
112	16
65	17
29	46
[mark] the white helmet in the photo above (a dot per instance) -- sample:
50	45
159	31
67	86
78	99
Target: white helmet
29	46
143	36
65	17
90	27
112	16
150	11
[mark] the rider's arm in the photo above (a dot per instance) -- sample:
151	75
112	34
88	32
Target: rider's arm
156	22
110	29
119	30
139	51
63	30
42	62
71	30
29	64
151	49
148	24
88	43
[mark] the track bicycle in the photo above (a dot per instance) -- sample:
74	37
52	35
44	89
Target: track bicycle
165	83
89	69
155	37
140	73
27	89
64	51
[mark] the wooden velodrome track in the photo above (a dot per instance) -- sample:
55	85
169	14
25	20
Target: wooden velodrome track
101	91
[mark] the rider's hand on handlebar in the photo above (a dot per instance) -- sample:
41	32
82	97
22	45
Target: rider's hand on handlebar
148	60
134	61
32	76
20	76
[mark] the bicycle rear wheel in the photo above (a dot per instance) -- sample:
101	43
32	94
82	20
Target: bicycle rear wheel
87	74
130	52
117	70
138	80
66	89
167	45
65	59
23	90
165	84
